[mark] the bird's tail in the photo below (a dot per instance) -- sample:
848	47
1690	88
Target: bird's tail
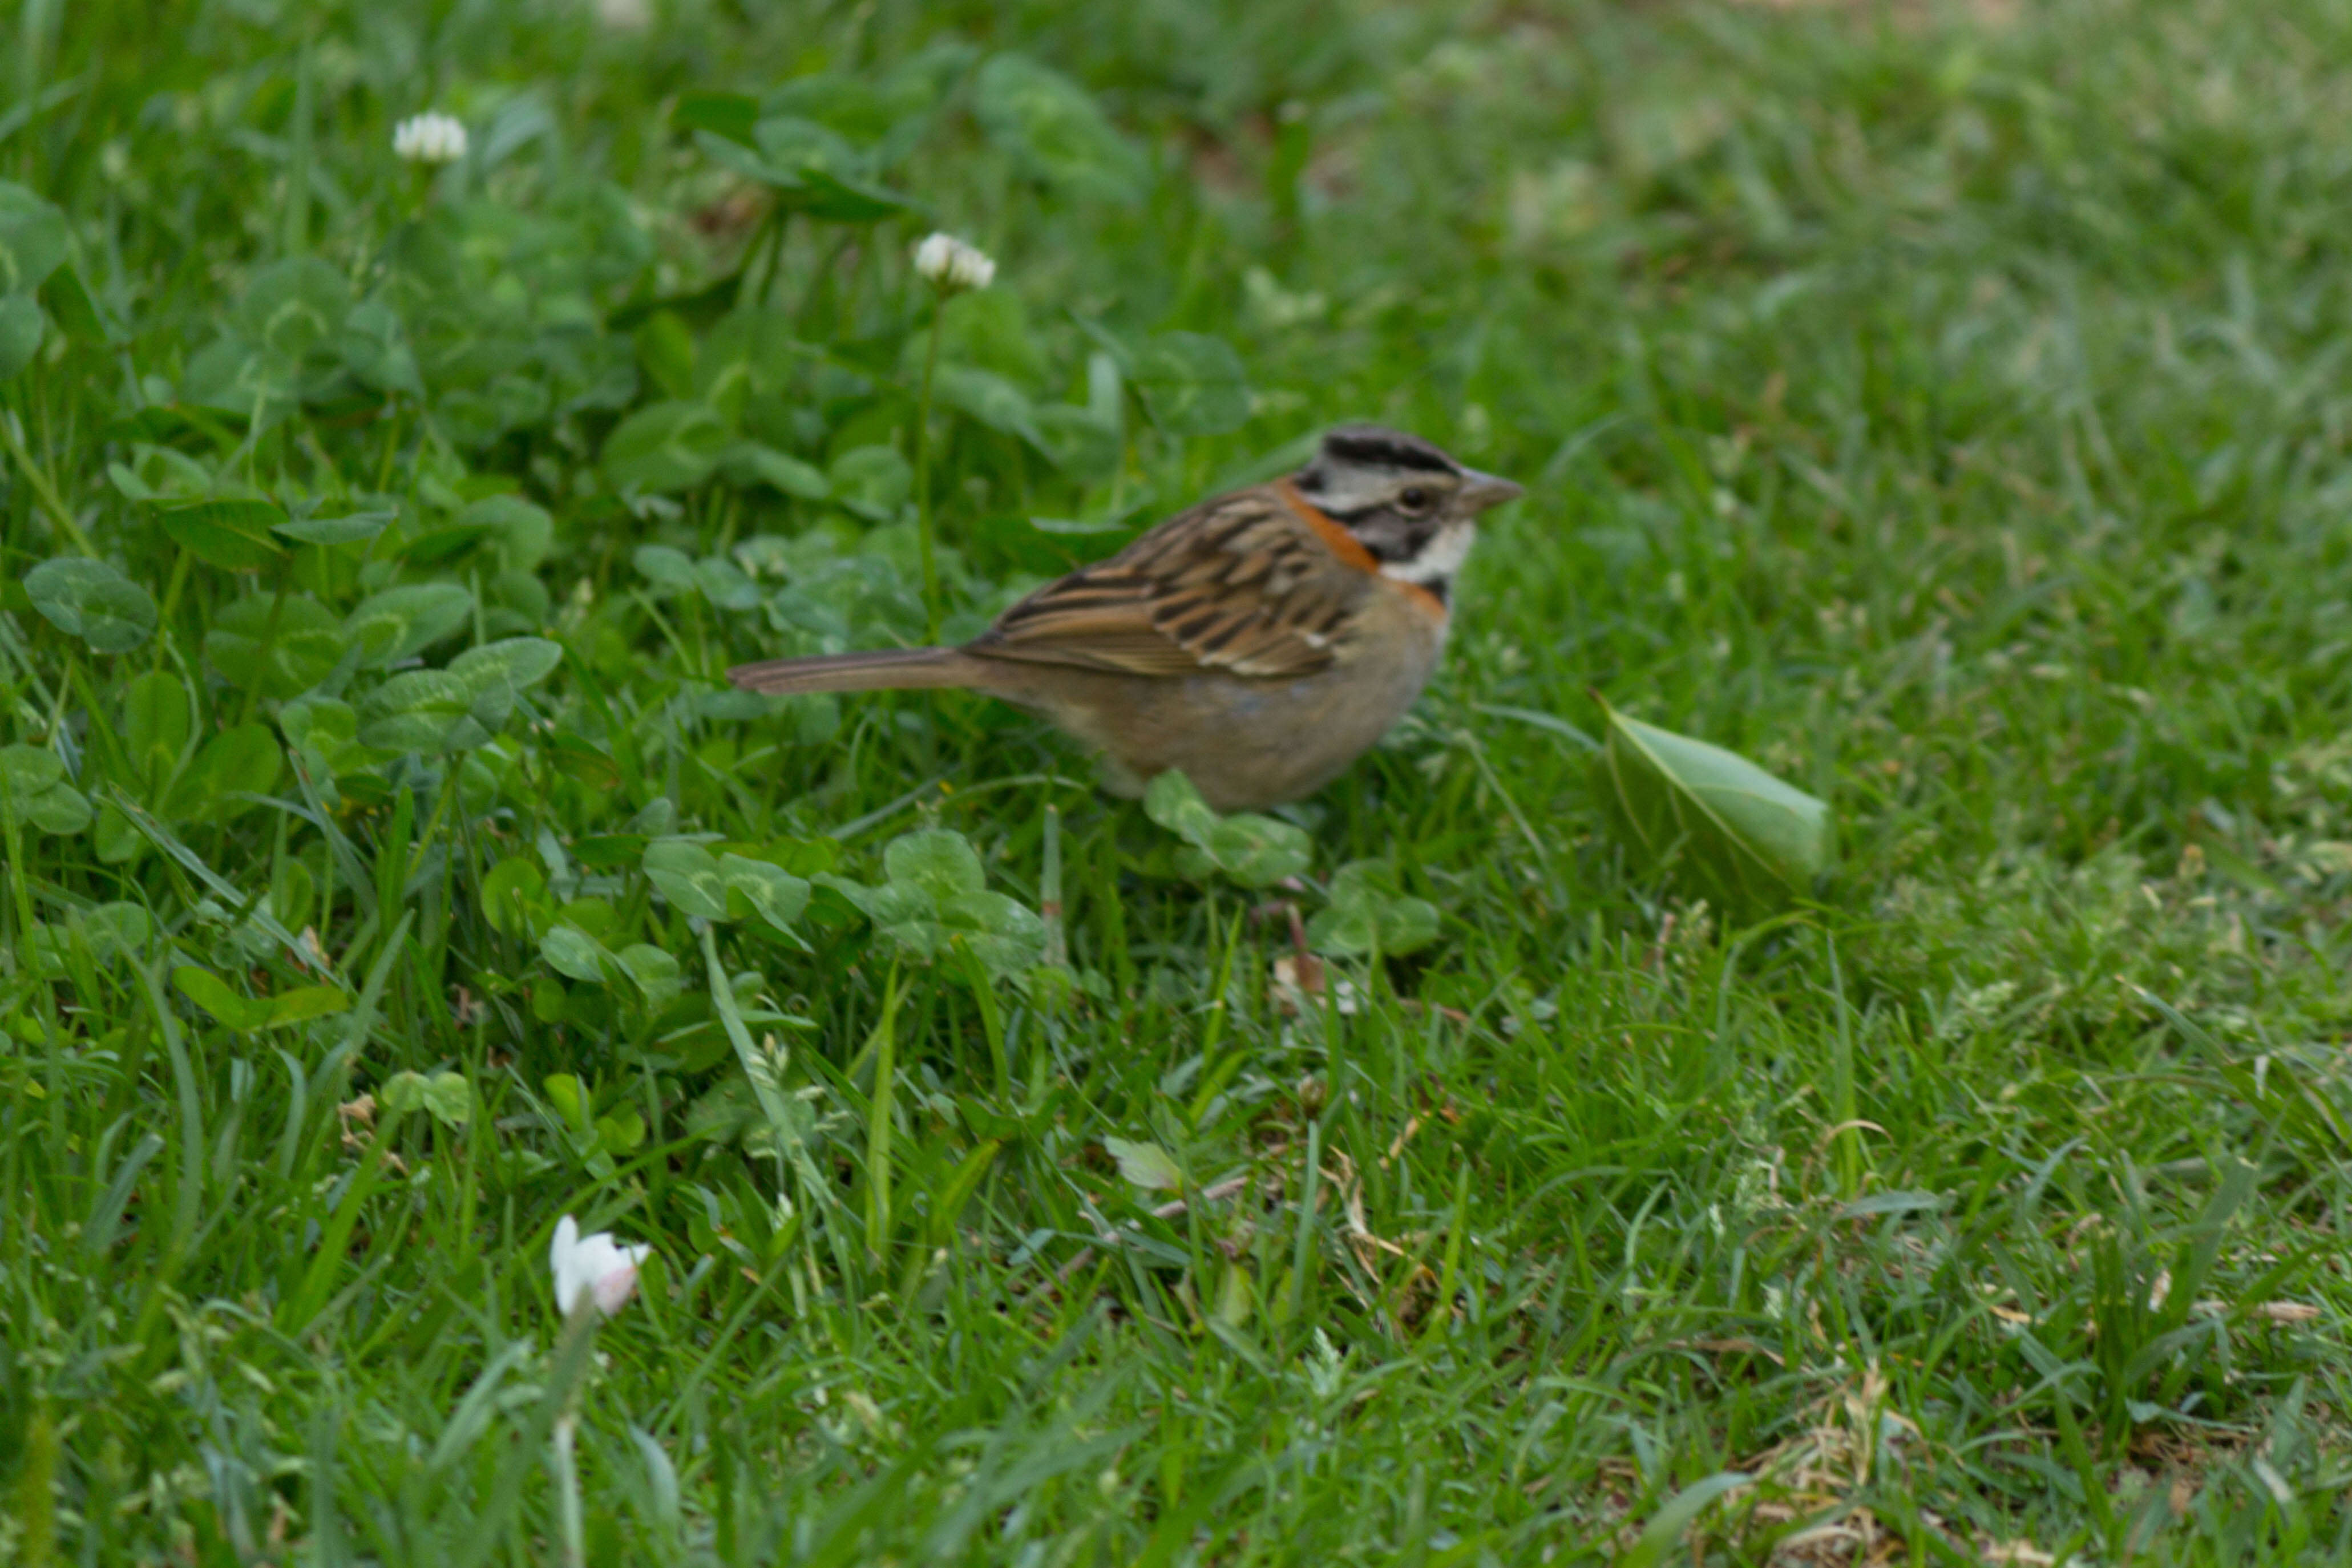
882	669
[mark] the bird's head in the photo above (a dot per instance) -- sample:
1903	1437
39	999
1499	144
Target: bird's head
1413	507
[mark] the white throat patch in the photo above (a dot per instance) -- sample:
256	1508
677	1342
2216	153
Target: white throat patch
1440	559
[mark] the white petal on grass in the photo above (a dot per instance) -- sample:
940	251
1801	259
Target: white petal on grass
430	138
944	260
594	1264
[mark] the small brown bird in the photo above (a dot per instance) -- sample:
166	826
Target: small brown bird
1260	642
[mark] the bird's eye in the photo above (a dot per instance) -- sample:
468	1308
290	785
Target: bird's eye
1414	499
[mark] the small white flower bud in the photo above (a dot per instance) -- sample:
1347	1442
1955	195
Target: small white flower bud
946	262
430	138
593	1266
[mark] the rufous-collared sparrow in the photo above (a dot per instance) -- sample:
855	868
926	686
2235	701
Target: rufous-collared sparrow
1259	642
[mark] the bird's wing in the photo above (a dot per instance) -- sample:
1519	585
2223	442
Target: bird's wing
1253	582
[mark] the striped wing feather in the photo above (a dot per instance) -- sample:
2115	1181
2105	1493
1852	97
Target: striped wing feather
1239	583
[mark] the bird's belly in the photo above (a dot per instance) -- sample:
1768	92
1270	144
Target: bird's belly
1248	744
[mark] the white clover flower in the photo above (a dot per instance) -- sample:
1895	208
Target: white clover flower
947	262
430	138
592	1264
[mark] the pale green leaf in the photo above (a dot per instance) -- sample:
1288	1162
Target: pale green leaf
776	895
688	877
34	789
209	992
304	646
90	600
235	535
520	662
664	447
574	953
1256	851
939	861
1367	914
445	1096
402	622
1148	1165
1715	821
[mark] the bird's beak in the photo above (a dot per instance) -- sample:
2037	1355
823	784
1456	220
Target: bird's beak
1480	491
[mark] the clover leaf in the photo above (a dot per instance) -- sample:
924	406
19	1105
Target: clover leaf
935	901
939	861
521	661
35	791
1367	914
445	1096
687	875
90	600
574	953
425	711
233	535
773	893
1256	851
227	773
402	622
282	646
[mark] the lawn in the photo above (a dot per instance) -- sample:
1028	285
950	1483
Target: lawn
1943	406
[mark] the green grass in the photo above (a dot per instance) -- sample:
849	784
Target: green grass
1943	406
